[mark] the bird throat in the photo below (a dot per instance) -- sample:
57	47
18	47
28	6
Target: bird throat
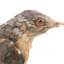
24	43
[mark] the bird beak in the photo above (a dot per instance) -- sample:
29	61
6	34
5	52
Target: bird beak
57	24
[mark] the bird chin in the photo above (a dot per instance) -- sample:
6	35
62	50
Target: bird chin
41	31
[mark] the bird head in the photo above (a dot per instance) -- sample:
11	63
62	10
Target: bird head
38	23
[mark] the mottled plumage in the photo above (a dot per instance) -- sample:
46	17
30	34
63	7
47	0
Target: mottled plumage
17	34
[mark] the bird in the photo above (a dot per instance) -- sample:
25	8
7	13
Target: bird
17	34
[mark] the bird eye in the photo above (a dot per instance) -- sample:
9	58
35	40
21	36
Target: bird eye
40	22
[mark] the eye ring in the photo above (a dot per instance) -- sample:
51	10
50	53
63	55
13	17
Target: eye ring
40	21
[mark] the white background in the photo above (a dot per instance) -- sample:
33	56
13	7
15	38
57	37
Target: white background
49	47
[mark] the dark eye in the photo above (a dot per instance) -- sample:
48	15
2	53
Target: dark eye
40	21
